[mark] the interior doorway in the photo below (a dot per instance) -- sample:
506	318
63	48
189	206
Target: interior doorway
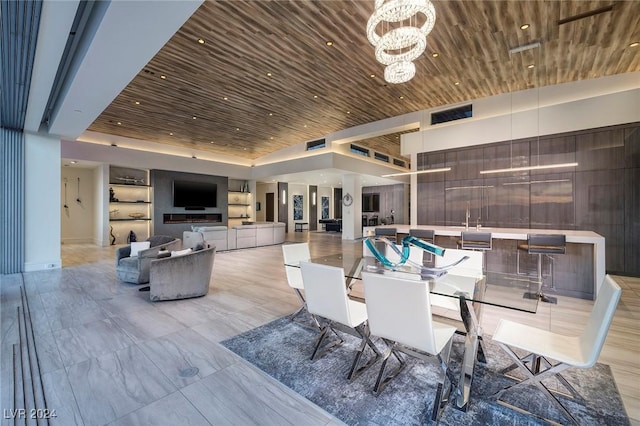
270	207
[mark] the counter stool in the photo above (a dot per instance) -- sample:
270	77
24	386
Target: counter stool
542	244
476	241
388	233
428	235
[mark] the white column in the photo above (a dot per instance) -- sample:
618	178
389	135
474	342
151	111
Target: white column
42	202
351	214
414	190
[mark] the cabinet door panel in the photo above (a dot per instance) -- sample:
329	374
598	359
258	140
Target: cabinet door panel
430	209
600	150
552	201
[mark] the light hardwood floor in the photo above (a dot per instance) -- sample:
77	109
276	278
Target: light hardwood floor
109	356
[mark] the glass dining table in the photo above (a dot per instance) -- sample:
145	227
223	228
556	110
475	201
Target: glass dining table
472	293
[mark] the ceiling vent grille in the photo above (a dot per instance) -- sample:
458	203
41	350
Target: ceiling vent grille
452	114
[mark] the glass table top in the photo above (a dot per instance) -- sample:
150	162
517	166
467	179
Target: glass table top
494	288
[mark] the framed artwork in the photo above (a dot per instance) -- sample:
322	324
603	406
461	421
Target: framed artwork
298	210
325	207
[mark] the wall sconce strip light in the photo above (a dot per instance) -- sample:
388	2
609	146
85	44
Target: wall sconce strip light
522	169
314	198
419	172
284	197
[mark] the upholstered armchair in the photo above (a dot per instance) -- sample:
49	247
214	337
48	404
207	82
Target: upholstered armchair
135	269
181	277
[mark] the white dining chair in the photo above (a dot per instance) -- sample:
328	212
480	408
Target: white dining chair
326	292
295	253
399	312
415	254
542	346
472	267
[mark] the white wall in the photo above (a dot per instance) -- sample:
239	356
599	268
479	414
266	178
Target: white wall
42	198
550	110
78	219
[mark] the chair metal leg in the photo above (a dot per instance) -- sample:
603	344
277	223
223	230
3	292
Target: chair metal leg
366	341
382	381
444	388
536	380
323	333
315	324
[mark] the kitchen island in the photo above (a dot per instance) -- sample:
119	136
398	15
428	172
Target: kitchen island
577	273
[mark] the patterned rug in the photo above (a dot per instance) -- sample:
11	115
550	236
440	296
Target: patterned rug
282	349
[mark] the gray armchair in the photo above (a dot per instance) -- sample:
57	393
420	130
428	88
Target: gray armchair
181	277
136	269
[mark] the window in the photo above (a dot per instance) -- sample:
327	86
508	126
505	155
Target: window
381	157
359	150
452	114
320	143
399	163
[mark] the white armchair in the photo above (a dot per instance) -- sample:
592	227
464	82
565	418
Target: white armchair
326	293
399	312
295	253
542	346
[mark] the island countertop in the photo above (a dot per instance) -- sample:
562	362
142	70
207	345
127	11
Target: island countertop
573	236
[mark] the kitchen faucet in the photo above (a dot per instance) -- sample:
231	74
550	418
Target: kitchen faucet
466	223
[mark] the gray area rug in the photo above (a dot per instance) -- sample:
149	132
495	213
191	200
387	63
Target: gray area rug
282	349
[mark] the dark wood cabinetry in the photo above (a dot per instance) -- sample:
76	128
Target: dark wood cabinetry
601	194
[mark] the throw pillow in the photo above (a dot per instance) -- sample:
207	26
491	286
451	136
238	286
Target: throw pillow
180	252
163	254
137	246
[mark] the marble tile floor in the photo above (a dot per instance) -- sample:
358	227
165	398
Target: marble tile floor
111	357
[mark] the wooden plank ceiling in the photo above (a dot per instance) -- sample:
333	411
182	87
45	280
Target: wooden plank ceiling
265	79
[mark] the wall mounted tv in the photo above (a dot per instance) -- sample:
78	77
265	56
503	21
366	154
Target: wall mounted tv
370	203
194	195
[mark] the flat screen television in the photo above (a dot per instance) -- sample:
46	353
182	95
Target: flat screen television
370	203
194	195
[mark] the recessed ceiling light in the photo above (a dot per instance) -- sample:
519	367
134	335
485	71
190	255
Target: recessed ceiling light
271	138
73	162
212	142
530	66
435	54
237	128
269	74
329	43
170	133
372	75
201	41
194	117
137	102
315	96
225	98
245	149
348	112
634	44
270	114
457	83
164	77
119	123
305	126
400	97
524	26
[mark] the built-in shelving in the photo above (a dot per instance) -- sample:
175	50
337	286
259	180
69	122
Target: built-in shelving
239	202
129	204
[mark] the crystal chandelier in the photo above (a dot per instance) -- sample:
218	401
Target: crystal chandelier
401	41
